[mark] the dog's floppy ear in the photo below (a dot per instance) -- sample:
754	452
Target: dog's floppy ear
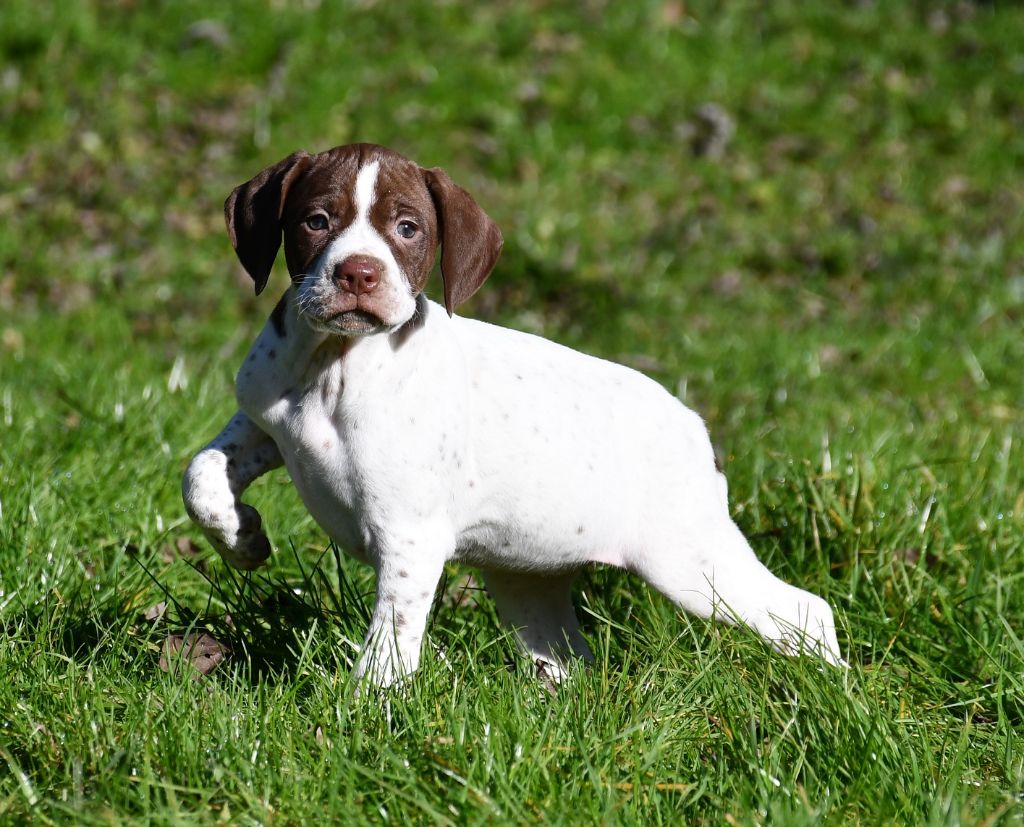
470	241
253	215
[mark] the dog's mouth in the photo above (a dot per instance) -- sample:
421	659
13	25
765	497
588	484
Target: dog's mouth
340	314
351	322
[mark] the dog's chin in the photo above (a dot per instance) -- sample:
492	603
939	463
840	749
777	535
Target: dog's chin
350	323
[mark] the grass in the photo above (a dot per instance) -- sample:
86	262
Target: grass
836	284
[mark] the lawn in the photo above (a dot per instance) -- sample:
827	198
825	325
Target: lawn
807	220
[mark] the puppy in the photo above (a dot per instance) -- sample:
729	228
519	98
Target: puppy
415	437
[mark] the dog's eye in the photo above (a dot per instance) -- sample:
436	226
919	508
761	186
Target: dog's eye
317	221
406	229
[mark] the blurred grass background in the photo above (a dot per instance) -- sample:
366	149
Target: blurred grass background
804	219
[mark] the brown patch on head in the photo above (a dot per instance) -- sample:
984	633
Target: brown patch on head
382	198
311	201
401	196
327	188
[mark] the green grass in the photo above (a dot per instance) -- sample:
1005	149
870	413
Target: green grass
840	292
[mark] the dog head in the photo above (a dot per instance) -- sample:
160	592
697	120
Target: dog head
361	226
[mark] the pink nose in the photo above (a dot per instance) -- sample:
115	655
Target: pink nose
357	275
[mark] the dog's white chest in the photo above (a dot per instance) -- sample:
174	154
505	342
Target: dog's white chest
361	456
321	450
320	458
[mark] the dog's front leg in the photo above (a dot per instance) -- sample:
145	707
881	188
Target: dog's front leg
407	576
213	486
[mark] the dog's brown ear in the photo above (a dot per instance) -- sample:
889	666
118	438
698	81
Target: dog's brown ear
470	241
253	215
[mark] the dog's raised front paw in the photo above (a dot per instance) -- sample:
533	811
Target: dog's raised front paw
246	547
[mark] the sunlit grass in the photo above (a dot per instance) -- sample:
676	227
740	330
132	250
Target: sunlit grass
838	289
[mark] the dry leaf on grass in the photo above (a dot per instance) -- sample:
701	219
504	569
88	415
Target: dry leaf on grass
200	650
156	611
183	547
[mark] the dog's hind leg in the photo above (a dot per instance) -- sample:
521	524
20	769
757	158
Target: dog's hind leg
716	575
539	608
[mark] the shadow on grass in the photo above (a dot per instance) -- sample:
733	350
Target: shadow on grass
263	618
267	623
256	620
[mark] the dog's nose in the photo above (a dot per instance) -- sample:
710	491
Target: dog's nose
357	274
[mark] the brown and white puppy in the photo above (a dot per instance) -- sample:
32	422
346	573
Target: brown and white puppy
416	437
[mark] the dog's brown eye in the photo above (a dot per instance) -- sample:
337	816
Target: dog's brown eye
317	222
406	229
